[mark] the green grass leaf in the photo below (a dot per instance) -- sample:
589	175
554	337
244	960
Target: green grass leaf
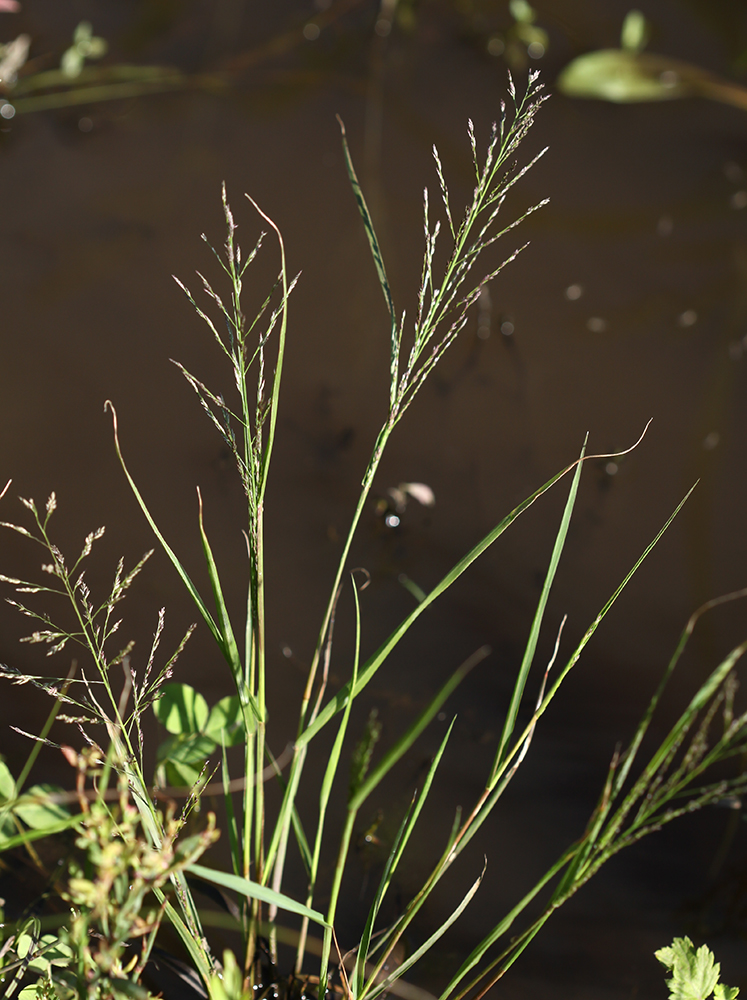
253	890
531	646
369	668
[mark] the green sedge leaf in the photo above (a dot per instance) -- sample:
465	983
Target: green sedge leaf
253	890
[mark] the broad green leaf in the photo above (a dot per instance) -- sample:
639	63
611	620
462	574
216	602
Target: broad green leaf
521	11
53	953
622	77
181	775
253	890
181	709
191	749
23	944
226	722
635	32
27	836
7	784
38	813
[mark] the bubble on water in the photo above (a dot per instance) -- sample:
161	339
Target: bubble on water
688	318
665	225
733	172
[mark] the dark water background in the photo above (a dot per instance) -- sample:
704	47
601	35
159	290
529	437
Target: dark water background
644	216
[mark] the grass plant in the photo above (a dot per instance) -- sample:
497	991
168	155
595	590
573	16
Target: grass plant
142	856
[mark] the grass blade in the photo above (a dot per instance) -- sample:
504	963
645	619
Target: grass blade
184	576
267	452
253	890
404	743
531	646
400	843
427	945
229	645
337	702
377	258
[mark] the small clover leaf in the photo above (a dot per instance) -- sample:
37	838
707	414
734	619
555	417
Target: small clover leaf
85	45
181	709
226	722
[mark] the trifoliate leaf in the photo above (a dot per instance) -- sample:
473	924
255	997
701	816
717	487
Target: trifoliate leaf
181	709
